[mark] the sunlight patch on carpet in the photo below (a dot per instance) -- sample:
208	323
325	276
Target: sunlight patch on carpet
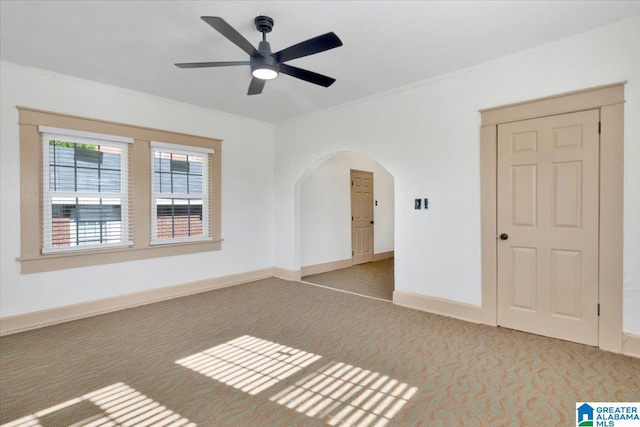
115	405
248	363
343	394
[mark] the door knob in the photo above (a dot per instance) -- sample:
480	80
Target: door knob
371	222
504	236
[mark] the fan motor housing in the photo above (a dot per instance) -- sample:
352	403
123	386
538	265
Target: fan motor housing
267	61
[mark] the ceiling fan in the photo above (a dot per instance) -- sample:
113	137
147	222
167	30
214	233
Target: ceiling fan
264	64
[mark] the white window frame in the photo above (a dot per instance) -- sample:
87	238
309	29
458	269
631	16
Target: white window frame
187	151
82	137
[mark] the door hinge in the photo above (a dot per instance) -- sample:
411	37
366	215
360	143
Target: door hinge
352	183
598	309
599	127
351	218
352	253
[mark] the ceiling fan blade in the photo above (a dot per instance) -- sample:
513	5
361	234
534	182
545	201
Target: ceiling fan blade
256	86
309	47
306	75
211	64
229	32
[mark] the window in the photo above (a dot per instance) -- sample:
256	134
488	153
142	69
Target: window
179	199
83	181
85	191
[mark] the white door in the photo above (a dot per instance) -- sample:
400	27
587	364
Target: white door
548	195
361	216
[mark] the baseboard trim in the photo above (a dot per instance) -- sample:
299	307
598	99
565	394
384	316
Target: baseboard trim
383	255
326	266
39	319
631	345
444	307
290	275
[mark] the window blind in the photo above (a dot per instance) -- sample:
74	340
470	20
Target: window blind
86	185
180	193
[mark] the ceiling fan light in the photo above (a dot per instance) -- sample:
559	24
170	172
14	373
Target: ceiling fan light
264	73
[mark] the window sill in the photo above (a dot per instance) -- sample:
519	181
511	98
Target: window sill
75	259
85	249
180	240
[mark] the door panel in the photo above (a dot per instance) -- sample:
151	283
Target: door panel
567	194
566	269
524	141
361	216
524	194
523	270
548	173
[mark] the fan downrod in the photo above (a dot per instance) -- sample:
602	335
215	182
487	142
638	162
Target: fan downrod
264	24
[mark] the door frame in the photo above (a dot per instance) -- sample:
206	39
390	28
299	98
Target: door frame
609	99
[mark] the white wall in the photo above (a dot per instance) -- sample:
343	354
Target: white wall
427	136
247	176
325	204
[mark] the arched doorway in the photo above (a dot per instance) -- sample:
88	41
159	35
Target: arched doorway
329	200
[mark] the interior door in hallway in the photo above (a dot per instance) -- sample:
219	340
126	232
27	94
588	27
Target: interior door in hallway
548	195
361	216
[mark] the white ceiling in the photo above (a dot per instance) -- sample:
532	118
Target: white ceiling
387	44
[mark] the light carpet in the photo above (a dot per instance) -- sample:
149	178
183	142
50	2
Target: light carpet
277	353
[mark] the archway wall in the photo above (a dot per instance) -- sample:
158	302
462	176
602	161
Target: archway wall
325	209
437	251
